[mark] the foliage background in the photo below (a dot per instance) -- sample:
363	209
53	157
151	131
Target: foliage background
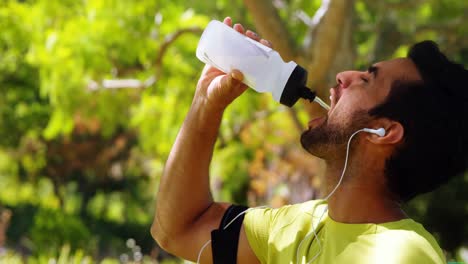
93	93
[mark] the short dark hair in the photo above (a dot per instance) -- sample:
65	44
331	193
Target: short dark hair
434	114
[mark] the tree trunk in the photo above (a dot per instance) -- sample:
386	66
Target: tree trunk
270	26
327	47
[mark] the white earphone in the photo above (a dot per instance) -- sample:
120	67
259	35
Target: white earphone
380	132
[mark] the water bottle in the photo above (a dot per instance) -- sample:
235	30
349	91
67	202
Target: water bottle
264	70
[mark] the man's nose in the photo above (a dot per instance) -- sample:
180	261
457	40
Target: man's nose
346	78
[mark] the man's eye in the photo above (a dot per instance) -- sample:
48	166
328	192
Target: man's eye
364	80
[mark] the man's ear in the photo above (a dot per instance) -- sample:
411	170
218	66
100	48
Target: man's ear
394	133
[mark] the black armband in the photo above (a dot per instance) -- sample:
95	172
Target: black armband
224	242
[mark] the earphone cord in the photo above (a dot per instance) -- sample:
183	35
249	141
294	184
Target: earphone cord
345	165
313	229
326	199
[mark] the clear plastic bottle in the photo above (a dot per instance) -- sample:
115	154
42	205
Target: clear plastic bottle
264	70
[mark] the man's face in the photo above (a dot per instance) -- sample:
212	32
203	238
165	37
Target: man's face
354	95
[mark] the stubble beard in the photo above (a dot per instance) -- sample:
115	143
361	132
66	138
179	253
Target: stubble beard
328	140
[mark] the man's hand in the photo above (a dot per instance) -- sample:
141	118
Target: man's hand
218	89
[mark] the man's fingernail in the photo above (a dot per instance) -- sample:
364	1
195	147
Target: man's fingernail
266	42
236	75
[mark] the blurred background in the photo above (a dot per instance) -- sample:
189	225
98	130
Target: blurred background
93	93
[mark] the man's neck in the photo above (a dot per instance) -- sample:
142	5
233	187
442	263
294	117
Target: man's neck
361	201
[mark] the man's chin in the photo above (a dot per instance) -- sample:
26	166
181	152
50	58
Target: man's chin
314	143
327	140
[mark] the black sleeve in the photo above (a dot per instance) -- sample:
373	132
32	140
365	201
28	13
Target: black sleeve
224	243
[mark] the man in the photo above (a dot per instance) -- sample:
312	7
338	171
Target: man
419	101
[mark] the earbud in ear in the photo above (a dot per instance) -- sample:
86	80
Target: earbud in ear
380	132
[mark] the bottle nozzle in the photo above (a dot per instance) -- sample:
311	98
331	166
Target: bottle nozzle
308	94
296	88
321	103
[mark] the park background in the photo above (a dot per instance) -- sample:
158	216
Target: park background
93	92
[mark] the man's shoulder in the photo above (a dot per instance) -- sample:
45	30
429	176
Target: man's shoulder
287	219
406	229
307	209
413	242
311	206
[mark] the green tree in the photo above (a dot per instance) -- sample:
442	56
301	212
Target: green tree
94	92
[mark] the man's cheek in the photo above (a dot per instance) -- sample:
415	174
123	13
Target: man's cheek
345	116
345	112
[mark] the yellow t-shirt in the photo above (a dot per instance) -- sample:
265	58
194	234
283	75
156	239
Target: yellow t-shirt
277	236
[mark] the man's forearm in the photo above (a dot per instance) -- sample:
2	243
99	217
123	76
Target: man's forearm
184	192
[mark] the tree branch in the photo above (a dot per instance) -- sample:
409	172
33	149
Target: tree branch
325	37
304	17
295	118
240	128
171	39
259	115
268	24
134	83
396	6
5	216
452	24
121	83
